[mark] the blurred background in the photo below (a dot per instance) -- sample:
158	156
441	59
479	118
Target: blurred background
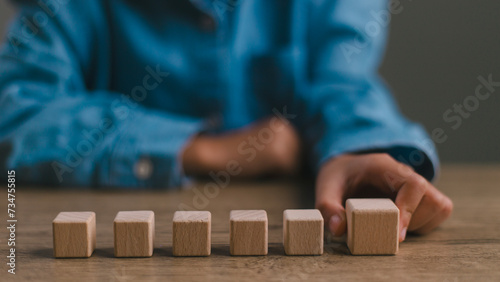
436	52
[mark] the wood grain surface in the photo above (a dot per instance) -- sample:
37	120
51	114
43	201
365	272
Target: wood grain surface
74	234
134	233
192	232
248	232
465	248
372	226
303	232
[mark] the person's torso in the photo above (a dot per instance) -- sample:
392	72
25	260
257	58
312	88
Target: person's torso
227	59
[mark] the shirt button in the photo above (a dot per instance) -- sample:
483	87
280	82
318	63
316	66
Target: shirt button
143	168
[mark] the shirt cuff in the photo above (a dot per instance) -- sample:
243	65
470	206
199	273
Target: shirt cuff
148	148
409	144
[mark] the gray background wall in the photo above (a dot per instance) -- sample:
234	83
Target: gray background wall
436	51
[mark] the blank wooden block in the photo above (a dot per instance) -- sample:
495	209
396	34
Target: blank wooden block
372	226
191	233
134	233
248	232
74	234
303	232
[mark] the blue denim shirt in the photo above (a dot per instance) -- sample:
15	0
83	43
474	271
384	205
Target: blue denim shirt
108	93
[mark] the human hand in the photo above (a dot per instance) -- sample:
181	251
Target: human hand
267	147
422	207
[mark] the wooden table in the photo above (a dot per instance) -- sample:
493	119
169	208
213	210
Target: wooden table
465	248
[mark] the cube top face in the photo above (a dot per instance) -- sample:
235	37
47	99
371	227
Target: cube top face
74	217
134	216
192	216
302	215
248	215
371	205
372	226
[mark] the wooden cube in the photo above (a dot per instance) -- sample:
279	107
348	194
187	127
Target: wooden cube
372	226
248	232
191	233
74	234
134	233
303	232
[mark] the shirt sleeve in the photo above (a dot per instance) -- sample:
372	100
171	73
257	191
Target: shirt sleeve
55	129
346	107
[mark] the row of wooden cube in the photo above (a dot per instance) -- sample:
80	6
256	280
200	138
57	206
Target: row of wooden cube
75	233
372	229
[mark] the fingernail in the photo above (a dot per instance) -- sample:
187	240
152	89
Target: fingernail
335	221
402	235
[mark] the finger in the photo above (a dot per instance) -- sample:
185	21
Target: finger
333	211
334	215
431	205
442	215
383	172
329	199
408	199
423	214
389	175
